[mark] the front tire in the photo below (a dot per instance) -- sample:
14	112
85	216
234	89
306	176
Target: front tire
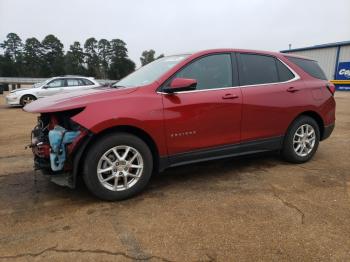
27	99
118	166
301	141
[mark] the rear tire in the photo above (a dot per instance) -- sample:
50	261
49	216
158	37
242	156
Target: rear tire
118	166
26	99
301	141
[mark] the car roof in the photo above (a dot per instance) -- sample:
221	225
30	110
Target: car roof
73	76
223	50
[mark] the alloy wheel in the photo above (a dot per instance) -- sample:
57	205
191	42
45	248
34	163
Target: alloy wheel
304	140
120	168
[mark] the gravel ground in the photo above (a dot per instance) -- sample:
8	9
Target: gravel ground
255	208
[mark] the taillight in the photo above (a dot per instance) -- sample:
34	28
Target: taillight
331	88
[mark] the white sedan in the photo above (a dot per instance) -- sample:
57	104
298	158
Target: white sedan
50	87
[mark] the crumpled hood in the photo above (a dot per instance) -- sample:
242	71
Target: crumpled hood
76	99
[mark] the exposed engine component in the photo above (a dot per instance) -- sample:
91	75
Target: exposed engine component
52	140
59	137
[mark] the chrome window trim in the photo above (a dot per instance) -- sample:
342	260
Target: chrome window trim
296	77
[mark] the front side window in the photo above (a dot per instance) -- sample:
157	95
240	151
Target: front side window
213	71
257	69
56	83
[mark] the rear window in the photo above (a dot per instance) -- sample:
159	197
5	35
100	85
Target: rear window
309	66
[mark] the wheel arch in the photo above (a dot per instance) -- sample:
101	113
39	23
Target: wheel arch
143	135
317	117
20	99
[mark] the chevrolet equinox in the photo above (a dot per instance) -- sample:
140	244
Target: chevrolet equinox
179	110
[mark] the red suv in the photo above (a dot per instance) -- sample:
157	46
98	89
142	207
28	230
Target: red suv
179	110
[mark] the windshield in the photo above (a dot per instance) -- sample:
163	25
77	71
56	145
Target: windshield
40	84
150	72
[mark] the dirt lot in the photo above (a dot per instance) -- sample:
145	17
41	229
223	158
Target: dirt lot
257	208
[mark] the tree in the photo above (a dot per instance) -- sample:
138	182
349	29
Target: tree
32	57
7	67
149	56
53	59
121	65
91	57
101	59
12	59
12	46
74	60
104	55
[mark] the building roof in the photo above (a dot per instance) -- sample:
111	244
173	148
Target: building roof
336	44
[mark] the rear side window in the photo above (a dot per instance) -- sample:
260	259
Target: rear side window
309	66
87	82
73	82
284	73
257	69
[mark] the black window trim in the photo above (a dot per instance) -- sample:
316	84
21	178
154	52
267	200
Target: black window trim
296	76
234	74
235	58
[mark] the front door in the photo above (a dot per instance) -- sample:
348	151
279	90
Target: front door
51	88
209	116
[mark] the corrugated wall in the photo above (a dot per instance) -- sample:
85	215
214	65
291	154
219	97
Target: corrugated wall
326	58
344	55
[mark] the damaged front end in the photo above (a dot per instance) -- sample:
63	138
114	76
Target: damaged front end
55	142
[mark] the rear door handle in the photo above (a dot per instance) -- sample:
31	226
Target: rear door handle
230	96
292	89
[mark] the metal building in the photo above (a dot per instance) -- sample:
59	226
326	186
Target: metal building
334	58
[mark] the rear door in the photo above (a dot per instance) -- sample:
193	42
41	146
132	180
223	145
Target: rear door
209	116
272	95
74	84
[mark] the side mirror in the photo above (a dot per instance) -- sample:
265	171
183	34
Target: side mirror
45	87
181	84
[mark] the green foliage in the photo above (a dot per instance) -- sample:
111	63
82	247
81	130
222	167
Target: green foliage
100	59
149	56
74	60
12	46
104	55
12	60
121	65
91	57
53	56
32	57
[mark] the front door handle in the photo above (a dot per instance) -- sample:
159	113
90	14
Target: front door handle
292	89
230	96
